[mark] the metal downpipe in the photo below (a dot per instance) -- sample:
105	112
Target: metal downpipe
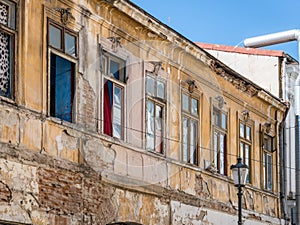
297	137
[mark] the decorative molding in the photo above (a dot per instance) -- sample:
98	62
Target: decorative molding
65	15
157	66
221	101
235	80
268	127
85	11
192	85
116	43
245	115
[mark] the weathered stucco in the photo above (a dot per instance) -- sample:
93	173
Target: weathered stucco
59	173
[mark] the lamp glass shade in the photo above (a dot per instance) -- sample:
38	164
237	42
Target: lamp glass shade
239	175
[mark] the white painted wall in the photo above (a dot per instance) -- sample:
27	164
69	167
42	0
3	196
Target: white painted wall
262	70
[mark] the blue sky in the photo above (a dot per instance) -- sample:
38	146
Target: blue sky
227	22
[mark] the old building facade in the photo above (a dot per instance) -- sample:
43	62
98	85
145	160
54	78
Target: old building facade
107	116
276	72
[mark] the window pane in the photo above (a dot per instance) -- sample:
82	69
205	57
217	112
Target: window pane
114	69
247	160
242	130
222	153
117	112
159	129
224	121
150	126
216	146
185	139
194	107
5	65
150	86
242	150
193	143
8	14
247	155
4	13
150	141
264	170
248	133
70	44
269	172
216	118
55	37
107	107
61	102
160	90
158	116
185	102
268	143
150	117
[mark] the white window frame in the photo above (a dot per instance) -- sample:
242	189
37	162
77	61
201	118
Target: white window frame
190	117
246	141
107	76
157	101
220	158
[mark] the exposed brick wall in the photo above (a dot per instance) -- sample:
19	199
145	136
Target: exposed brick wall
60	191
66	193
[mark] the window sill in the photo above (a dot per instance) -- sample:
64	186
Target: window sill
7	100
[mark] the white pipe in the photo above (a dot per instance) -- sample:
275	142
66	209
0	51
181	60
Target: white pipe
271	39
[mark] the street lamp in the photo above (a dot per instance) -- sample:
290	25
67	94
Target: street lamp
239	173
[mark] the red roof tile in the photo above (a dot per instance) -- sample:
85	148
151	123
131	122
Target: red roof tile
249	51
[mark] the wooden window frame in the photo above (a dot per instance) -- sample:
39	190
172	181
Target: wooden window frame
63	30
268	152
10	29
73	59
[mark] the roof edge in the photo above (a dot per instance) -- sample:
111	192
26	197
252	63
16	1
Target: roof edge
242	50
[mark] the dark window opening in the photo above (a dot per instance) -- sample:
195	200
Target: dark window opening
61	88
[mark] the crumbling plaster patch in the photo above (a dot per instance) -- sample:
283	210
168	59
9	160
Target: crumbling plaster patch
137	207
9	127
98	156
12	173
22	182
